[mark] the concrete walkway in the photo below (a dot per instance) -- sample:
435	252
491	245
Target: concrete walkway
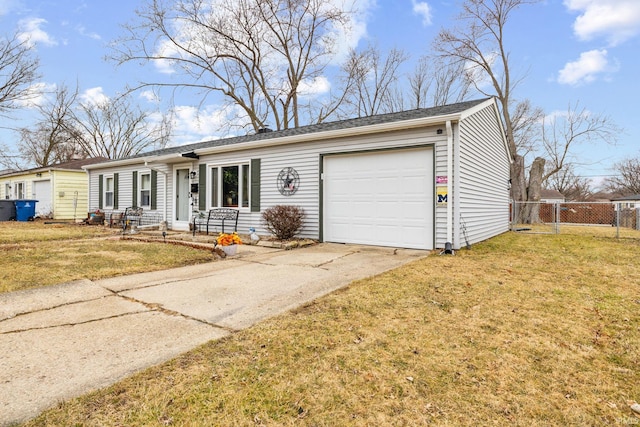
63	341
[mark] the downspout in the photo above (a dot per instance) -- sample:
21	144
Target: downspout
166	193
449	185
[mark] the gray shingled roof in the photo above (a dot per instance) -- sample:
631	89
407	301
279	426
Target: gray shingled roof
70	165
322	127
625	198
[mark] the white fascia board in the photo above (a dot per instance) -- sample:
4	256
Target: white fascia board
332	134
136	160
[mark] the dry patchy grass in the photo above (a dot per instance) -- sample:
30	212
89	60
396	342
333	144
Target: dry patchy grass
522	330
35	254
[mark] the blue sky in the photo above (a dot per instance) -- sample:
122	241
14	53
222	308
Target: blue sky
569	51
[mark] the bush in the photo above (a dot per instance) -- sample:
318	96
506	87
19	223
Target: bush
283	221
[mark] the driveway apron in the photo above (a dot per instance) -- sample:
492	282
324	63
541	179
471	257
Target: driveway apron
60	342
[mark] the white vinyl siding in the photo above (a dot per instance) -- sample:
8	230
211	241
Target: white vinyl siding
305	159
125	186
482	190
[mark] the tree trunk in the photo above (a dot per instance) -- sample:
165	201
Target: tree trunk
531	211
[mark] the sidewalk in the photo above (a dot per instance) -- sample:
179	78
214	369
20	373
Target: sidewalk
63	341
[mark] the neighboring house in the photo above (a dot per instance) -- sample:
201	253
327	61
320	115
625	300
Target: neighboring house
551	196
61	190
627	202
412	179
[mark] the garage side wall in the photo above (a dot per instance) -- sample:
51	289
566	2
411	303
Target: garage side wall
67	187
482	169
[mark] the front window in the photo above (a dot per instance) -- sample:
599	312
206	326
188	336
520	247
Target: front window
230	186
7	191
19	193
145	190
108	191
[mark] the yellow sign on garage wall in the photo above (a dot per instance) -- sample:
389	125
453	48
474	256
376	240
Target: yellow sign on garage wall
441	195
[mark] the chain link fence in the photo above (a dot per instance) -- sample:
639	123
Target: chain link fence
601	218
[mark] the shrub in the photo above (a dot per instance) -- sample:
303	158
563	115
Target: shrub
283	221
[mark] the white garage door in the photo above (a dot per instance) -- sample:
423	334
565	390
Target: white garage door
382	198
42	193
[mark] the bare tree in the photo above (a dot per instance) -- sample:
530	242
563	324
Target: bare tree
374	79
18	72
115	129
572	186
626	182
560	132
480	46
259	54
52	139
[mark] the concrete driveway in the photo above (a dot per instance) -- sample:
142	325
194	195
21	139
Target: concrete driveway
63	341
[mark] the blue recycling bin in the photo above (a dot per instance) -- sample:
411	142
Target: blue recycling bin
25	209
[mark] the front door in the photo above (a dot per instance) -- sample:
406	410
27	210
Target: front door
183	201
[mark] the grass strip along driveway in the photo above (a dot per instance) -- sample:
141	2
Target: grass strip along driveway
34	254
520	330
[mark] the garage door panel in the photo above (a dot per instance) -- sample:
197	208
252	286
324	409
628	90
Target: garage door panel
381	198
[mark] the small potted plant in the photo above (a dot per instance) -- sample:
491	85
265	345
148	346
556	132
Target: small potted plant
229	243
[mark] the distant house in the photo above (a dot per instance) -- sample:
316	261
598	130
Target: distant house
551	196
628	202
413	179
61	190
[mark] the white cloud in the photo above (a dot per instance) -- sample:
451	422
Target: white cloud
191	124
7	6
615	20
38	94
94	96
424	10
317	86
349	34
150	96
82	30
586	69
30	32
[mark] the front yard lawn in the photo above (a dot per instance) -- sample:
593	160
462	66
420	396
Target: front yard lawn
34	254
520	330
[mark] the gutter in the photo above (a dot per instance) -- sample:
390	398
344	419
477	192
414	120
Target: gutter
449	183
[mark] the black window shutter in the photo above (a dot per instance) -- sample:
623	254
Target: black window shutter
115	191
154	190
134	195
255	185
202	187
100	191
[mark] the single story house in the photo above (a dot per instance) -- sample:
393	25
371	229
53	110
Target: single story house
61	189
551	196
631	201
413	179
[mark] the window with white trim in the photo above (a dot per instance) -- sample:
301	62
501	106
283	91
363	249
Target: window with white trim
7	190
229	186
108	191
19	190
145	190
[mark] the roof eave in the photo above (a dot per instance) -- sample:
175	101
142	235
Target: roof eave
134	161
333	134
